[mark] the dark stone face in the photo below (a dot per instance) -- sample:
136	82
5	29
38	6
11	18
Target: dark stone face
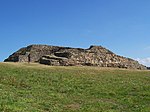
66	56
62	54
148	68
12	59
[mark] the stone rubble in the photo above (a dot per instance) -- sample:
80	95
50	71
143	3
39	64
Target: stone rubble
66	56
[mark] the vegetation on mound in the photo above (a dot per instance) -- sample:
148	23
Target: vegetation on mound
38	88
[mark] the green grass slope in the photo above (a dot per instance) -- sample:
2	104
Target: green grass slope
39	88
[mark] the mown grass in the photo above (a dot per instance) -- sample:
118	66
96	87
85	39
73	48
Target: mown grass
38	88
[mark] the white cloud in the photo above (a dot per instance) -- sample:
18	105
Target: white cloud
147	48
144	61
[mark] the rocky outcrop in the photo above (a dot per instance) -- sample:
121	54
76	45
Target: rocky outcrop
148	68
66	56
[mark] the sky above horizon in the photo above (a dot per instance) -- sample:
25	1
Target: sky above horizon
123	26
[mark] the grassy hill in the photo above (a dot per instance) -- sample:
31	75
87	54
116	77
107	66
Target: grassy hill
39	88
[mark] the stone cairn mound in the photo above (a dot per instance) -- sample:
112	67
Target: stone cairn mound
66	56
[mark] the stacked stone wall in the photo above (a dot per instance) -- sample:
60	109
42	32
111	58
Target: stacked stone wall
66	56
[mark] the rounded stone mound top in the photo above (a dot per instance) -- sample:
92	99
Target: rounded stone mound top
95	46
99	49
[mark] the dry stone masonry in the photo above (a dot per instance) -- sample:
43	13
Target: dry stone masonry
66	56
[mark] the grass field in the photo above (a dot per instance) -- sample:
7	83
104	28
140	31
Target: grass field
39	88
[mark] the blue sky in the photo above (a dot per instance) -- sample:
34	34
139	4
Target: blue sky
122	26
